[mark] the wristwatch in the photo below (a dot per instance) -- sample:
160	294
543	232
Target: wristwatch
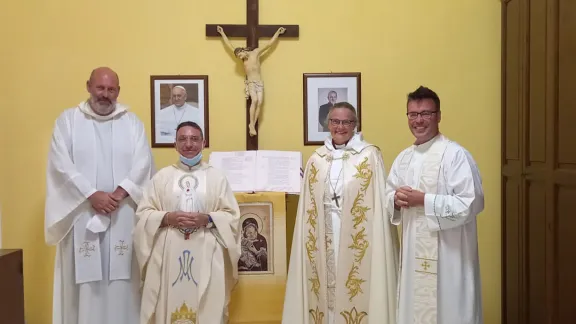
210	222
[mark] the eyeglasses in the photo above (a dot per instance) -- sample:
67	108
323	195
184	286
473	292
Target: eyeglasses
425	114
193	139
337	122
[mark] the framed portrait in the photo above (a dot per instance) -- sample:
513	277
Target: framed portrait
257	227
176	99
321	92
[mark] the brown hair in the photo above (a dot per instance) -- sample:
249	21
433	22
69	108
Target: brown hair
424	93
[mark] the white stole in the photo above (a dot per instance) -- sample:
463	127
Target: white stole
87	254
426	242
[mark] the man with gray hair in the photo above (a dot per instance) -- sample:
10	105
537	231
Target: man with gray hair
180	111
344	259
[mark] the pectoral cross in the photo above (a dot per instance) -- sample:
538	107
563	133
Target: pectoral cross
335	198
252	31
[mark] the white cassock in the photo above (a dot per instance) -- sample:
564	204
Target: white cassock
344	259
187	276
440	274
95	277
170	117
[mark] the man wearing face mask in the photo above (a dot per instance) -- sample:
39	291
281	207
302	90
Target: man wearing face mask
344	259
187	239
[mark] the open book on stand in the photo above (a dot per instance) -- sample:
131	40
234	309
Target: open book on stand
252	171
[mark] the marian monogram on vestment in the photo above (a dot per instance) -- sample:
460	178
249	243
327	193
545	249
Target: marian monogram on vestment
185	261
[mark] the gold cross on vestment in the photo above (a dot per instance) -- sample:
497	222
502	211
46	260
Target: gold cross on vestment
425	265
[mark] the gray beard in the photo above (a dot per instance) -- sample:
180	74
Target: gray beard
101	109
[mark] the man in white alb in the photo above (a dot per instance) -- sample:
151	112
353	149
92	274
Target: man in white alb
434	191
344	259
187	239
180	111
99	160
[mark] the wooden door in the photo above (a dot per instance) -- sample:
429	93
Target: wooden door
539	161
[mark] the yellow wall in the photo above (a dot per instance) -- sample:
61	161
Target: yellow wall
49	48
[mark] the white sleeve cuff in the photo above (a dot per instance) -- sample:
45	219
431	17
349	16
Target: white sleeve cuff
133	190
432	205
84	186
396	218
432	211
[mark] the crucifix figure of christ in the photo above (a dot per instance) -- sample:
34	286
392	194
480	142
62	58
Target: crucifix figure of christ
250	55
253	85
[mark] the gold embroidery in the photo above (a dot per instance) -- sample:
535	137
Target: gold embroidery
317	315
184	315
353	317
311	246
425	265
359	242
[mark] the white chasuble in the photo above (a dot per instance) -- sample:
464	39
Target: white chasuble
95	276
187	274
183	255
439	280
344	259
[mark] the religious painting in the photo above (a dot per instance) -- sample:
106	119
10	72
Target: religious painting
321	92
176	99
257	228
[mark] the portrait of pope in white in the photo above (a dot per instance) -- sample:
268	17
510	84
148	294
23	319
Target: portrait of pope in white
176	99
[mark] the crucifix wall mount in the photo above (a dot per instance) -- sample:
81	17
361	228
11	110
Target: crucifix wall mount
252	30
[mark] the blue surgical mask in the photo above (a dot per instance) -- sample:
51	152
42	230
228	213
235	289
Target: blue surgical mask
191	161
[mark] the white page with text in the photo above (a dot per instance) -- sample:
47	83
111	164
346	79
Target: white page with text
278	171
239	167
250	171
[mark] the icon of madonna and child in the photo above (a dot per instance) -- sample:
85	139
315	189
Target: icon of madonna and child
255	256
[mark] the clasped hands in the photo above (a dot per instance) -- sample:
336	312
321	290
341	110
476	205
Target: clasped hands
405	197
106	202
186	220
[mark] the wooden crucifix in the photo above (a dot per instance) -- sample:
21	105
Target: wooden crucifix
254	87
